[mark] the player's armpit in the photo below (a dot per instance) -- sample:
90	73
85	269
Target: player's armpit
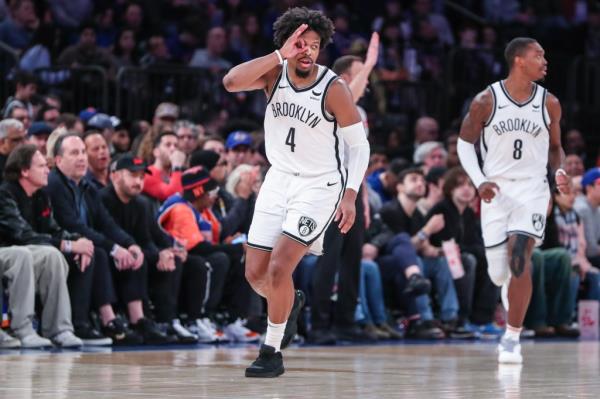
480	110
339	103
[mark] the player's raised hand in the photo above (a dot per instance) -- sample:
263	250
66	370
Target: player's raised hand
372	51
563	181
294	45
346	212
487	191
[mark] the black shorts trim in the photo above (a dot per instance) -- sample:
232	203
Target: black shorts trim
298	239
261	247
497	245
525	233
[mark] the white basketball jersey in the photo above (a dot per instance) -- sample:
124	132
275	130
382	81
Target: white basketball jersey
301	137
516	137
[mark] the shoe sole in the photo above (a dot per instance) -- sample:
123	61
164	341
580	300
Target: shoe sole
270	374
288	335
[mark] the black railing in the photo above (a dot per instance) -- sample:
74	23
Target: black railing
78	87
136	92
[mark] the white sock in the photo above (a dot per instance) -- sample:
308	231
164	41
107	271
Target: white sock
275	334
512	332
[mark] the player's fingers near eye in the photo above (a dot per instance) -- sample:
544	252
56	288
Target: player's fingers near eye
300	30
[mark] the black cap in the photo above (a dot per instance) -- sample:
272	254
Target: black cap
38	128
435	174
196	181
129	162
205	158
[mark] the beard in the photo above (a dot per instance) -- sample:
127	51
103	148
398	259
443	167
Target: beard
302	74
414	196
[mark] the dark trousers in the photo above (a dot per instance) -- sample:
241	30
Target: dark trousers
238	296
551	299
203	283
163	289
465	286
131	285
92	287
342	255
485	295
398	254
194	287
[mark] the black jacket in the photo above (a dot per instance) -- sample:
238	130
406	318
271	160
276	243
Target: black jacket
28	220
101	228
235	214
465	228
393	215
136	219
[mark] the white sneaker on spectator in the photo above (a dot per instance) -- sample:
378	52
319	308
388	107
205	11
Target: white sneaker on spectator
67	339
237	332
204	330
33	341
509	351
8	342
183	334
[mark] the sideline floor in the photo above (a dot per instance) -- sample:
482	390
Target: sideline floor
449	370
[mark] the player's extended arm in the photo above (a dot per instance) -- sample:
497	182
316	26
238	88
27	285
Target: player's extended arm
258	73
479	112
339	102
556	154
359	82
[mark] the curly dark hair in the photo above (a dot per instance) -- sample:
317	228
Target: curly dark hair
289	21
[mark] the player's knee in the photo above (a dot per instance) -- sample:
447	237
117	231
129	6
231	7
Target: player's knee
253	274
278	272
497	259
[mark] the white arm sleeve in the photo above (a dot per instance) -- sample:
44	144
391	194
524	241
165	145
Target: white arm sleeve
468	159
358	153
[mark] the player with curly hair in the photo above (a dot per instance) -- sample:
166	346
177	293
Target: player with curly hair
310	115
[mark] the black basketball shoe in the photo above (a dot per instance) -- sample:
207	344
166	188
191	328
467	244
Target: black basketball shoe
291	327
268	364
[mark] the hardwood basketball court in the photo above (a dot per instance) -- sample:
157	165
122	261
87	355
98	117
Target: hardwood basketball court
424	370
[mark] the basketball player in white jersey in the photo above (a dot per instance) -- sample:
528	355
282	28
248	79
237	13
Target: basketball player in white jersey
310	114
518	124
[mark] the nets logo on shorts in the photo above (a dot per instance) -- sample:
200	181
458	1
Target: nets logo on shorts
538	221
306	226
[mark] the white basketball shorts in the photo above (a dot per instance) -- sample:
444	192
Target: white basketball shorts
519	207
299	207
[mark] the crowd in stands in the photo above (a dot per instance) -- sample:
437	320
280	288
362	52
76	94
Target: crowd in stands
133	232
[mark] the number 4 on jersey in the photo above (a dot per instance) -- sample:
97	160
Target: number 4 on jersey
290	139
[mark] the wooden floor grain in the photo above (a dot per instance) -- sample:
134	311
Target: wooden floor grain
563	369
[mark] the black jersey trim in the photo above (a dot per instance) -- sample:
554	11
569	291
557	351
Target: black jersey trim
275	86
316	82
324	96
261	247
530	99
483	140
544	109
496	245
494	104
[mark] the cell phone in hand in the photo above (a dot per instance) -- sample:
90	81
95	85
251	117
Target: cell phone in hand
241	239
